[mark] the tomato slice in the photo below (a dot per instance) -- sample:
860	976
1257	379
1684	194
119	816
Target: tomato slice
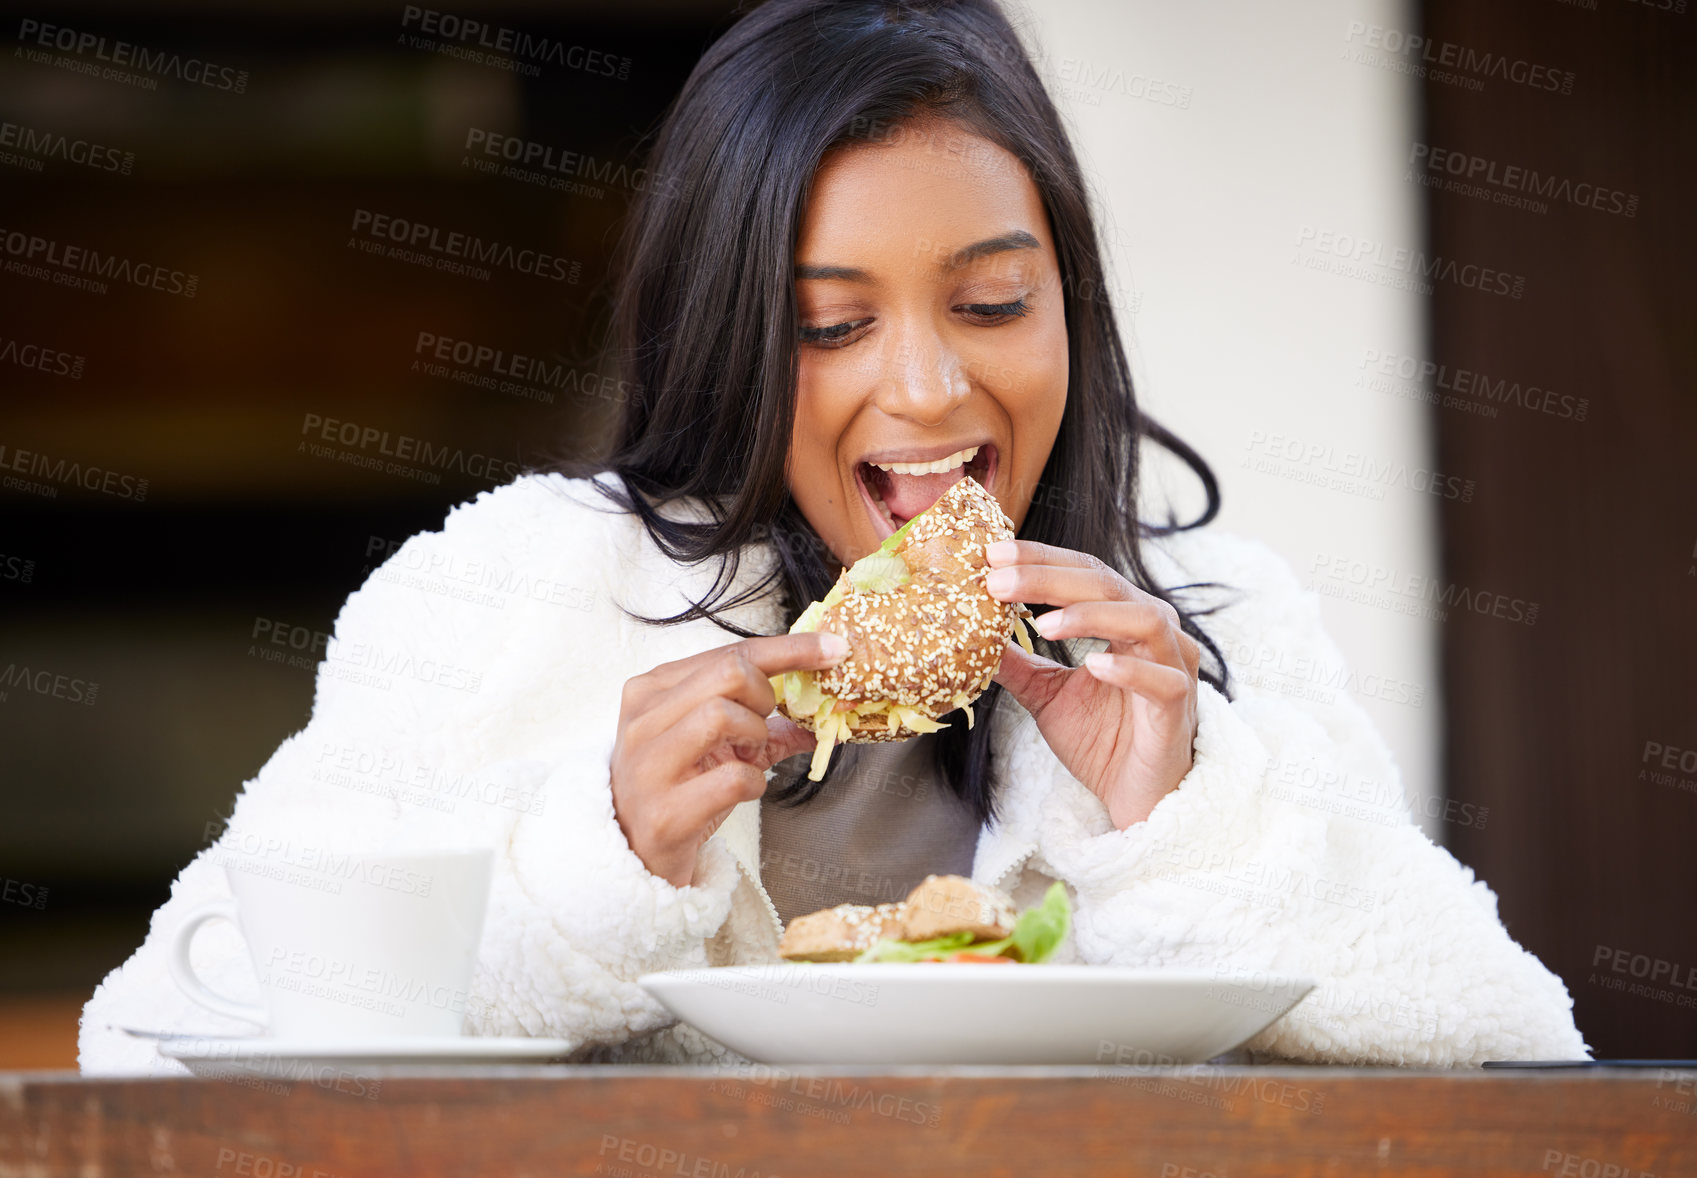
965	957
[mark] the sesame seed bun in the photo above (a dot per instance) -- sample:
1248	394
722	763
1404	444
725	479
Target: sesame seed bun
918	650
841	933
939	906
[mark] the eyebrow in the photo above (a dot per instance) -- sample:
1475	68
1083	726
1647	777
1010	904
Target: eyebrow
1017	239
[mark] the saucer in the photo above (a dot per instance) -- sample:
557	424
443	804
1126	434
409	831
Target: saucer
284	1059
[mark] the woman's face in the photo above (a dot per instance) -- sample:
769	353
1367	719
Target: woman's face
933	340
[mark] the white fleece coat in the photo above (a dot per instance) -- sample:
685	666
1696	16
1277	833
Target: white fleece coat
474	682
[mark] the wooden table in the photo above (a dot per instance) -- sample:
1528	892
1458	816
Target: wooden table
651	1122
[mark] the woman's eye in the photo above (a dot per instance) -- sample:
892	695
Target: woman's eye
832	336
841	334
996	312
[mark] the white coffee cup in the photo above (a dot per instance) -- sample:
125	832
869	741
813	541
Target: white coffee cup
350	946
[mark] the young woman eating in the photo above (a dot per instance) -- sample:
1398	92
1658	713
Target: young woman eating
868	268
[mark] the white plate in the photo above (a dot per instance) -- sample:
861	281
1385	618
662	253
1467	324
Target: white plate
218	1055
949	1013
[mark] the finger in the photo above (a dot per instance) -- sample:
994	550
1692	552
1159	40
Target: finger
736	677
701	803
1154	681
769	654
1191	650
1031	679
1017	552
1149	628
674	688
784	738
1059	584
675	745
732	679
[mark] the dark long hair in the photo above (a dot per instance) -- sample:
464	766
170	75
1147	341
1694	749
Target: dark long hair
704	320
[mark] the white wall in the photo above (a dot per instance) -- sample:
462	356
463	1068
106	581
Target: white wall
1214	131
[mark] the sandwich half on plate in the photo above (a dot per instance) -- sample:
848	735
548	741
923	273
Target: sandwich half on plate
945	918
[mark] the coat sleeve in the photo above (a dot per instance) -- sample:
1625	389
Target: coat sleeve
466	700
1288	851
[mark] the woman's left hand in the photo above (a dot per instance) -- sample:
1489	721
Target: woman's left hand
1124	723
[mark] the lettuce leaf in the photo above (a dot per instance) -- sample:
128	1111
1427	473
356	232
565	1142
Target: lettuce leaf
1039	930
893	542
879	572
915	950
1037	933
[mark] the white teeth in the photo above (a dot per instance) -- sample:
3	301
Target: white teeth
958	458
884	510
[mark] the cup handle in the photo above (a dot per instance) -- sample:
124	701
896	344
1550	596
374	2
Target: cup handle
183	973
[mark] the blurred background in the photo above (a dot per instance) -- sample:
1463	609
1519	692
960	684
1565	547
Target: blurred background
1416	279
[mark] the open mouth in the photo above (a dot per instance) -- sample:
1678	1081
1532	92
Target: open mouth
895	492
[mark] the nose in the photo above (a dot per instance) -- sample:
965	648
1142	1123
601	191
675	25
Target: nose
922	378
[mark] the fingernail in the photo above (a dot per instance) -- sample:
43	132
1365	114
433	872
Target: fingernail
999	581
1047	624
833	646
1001	552
1100	661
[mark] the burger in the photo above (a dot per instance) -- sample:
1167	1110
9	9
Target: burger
925	636
946	918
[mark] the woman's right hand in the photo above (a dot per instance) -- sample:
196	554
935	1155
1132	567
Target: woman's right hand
696	737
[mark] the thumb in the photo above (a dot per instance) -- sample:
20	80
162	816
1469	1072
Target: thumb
1032	679
784	739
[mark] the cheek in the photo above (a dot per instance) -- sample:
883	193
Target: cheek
810	431
1047	400
1034	394
1055	370
826	402
824	405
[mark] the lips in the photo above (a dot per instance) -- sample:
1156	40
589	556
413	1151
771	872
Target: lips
897	487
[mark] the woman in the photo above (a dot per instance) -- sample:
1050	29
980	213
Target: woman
867	269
